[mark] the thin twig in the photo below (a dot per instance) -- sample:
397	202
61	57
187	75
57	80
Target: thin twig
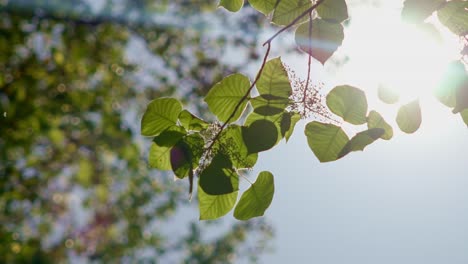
305	13
309	51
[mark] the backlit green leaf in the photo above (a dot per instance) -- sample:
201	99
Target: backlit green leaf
333	10
325	140
219	177
268	107
326	38
215	206
416	11
454	77
233	145
375	120
223	98
232	5
263	6
159	154
191	122
186	154
160	114
255	200
464	115
361	140
288	122
260	135
288	10
274	80
387	95
348	102
409	117
454	15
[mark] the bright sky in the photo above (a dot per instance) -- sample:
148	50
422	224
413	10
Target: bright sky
399	201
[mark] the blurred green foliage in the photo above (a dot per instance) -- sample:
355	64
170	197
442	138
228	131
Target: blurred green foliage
74	180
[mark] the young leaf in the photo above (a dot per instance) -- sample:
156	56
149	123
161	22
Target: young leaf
454	16
260	135
325	140
223	98
288	10
333	11
416	11
274	81
361	140
160	114
375	120
348	102
326	38
232	5
191	122
215	206
409	117
387	95
255	200
263	6
219	177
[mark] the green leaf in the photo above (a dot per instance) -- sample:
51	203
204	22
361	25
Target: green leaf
348	102
191	122
267	107
160	114
232	144
361	140
274	81
186	154
387	95
409	117
219	177
232	5
325	140
255	200
275	119
454	77
288	10
215	206
223	98
454	16
333	11
464	115
326	38
259	136
461	99
263	6
416	11
159	154
288	122
375	120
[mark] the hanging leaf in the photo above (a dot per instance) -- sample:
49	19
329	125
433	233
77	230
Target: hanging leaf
186	154
348	102
259	136
454	16
159	154
464	115
255	200
454	77
160	114
416	11
232	5
333	10
215	206
219	177
461	97
223	98
288	122
191	122
361	140
326	38
263	6
232	144
274	81
409	117
267	107
288	10
387	95
275	119
375	120
325	140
